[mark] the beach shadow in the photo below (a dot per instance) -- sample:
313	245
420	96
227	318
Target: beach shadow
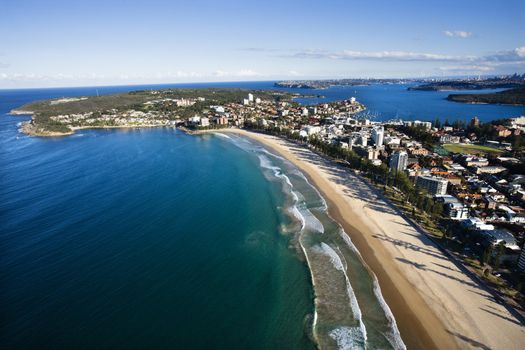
423	267
488	296
470	341
502	317
411	246
445	267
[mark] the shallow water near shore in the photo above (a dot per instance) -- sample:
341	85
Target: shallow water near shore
350	312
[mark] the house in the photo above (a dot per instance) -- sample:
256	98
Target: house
502	131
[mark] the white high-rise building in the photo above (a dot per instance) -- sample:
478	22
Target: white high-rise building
433	184
378	133
399	161
250	97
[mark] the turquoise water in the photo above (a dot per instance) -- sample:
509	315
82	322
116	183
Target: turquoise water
155	239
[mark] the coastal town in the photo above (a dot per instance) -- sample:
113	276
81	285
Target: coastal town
461	183
466	180
468	177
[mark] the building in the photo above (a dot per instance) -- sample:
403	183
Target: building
449	139
369	153
250	97
378	133
494	169
474	121
221	120
205	122
471	161
476	224
392	140
433	184
502	131
418	123
500	236
456	211
419	151
453	207
398	161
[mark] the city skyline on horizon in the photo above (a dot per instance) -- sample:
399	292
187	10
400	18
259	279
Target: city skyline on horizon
115	43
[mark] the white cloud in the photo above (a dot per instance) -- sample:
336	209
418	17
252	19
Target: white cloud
377	55
457	34
516	56
247	73
467	68
240	73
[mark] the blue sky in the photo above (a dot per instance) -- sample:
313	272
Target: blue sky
76	43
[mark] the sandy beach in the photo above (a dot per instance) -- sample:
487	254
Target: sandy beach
436	304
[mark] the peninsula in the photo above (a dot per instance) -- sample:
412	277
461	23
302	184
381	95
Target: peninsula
501	82
146	108
514	97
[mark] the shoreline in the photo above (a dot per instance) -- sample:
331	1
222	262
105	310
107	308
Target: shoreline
434	308
30	130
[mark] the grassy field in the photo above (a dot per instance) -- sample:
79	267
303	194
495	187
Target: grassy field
469	149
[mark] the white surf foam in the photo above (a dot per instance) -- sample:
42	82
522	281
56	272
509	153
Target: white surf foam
394	337
223	135
298	209
348	338
338	264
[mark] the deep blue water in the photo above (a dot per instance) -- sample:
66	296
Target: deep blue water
153	239
139	239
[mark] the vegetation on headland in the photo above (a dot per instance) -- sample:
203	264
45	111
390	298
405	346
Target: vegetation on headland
131	109
503	82
508	97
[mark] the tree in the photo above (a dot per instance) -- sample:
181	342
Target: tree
485	257
500	250
437	209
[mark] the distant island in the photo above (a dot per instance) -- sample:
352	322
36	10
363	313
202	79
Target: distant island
503	82
508	97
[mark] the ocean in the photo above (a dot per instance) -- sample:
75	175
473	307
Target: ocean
151	238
